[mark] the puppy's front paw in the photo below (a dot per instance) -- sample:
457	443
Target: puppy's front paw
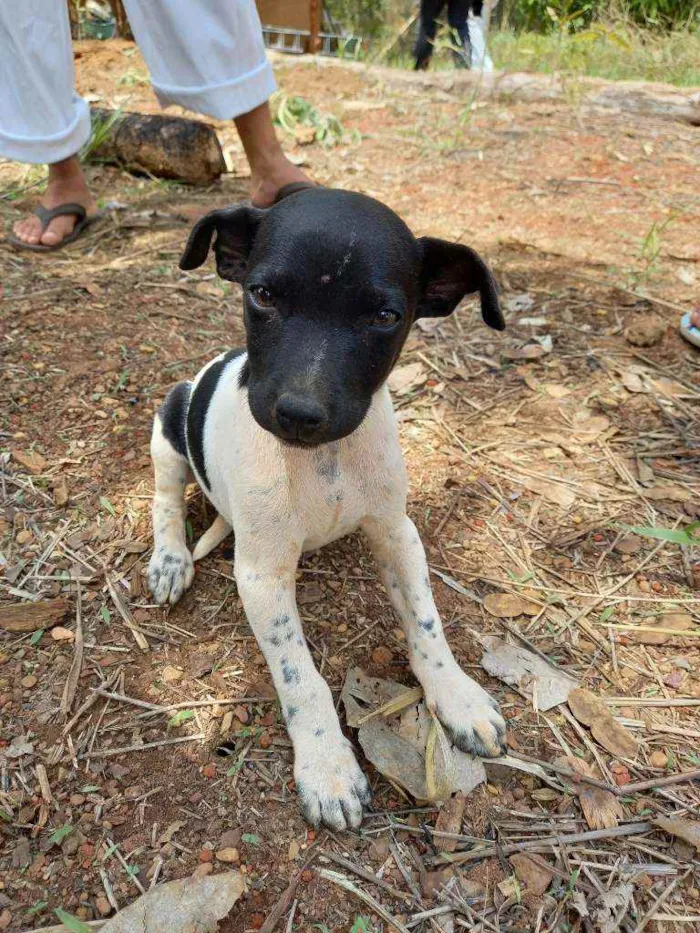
470	716
170	573
332	787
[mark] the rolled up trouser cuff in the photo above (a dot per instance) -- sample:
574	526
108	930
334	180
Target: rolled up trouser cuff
226	100
45	150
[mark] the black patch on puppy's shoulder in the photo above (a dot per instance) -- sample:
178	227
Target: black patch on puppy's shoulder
197	412
173	416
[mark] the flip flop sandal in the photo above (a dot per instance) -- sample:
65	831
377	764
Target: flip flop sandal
293	188
690	331
46	216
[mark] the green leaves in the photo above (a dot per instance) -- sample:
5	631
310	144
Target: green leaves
684	536
61	834
68	920
182	715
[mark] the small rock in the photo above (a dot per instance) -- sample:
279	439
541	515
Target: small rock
265	740
29	681
630	544
104	908
24	536
22	853
77	800
646	331
382	655
201	871
209	771
62	634
378	849
658	759
206	855
5	919
228	855
171	675
241	714
231	839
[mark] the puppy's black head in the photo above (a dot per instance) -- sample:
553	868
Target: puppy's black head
332	282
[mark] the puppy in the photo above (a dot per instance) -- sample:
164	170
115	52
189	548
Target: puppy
295	443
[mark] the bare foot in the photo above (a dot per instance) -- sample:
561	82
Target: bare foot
66	184
266	182
270	169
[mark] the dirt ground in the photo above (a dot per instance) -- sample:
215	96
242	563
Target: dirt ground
529	454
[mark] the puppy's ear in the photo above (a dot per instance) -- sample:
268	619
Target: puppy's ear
449	272
235	229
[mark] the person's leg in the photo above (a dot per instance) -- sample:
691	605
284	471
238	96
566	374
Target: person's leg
42	120
209	56
457	13
427	28
480	58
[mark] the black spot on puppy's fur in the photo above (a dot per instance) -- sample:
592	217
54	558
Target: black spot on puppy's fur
173	416
200	400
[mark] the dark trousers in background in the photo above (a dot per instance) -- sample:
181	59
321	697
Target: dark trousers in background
457	15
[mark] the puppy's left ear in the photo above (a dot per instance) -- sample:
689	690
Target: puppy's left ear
235	229
450	271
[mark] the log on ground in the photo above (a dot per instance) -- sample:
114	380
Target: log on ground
154	144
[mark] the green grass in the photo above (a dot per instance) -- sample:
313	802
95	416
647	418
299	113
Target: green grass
613	52
617	51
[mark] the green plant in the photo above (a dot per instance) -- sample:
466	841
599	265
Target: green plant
686	537
101	128
292	112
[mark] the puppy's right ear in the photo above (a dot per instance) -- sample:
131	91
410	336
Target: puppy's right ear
235	229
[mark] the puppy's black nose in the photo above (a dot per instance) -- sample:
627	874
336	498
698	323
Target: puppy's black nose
299	418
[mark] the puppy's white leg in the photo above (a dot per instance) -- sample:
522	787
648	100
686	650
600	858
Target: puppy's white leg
331	786
170	571
467	712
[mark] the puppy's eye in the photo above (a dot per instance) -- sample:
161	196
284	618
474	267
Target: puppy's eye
385	319
261	296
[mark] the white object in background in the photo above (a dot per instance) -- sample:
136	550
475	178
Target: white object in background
481	60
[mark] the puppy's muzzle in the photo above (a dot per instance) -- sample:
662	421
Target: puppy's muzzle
299	419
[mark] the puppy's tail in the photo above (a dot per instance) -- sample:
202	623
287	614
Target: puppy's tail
209	540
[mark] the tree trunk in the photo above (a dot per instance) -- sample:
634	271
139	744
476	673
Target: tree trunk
74	19
123	27
153	144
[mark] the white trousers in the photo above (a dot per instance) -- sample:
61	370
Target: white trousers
205	55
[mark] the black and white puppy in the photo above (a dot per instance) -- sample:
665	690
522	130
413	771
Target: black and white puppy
295	443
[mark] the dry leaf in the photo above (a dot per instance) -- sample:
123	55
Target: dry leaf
556	390
507	605
601	808
532	677
586	706
553	492
687	830
587	429
449	821
62	634
31	617
633	382
678	621
168	834
532	351
405	378
30	460
668	491
533	872
610	906
592	712
181	906
60	493
403	743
